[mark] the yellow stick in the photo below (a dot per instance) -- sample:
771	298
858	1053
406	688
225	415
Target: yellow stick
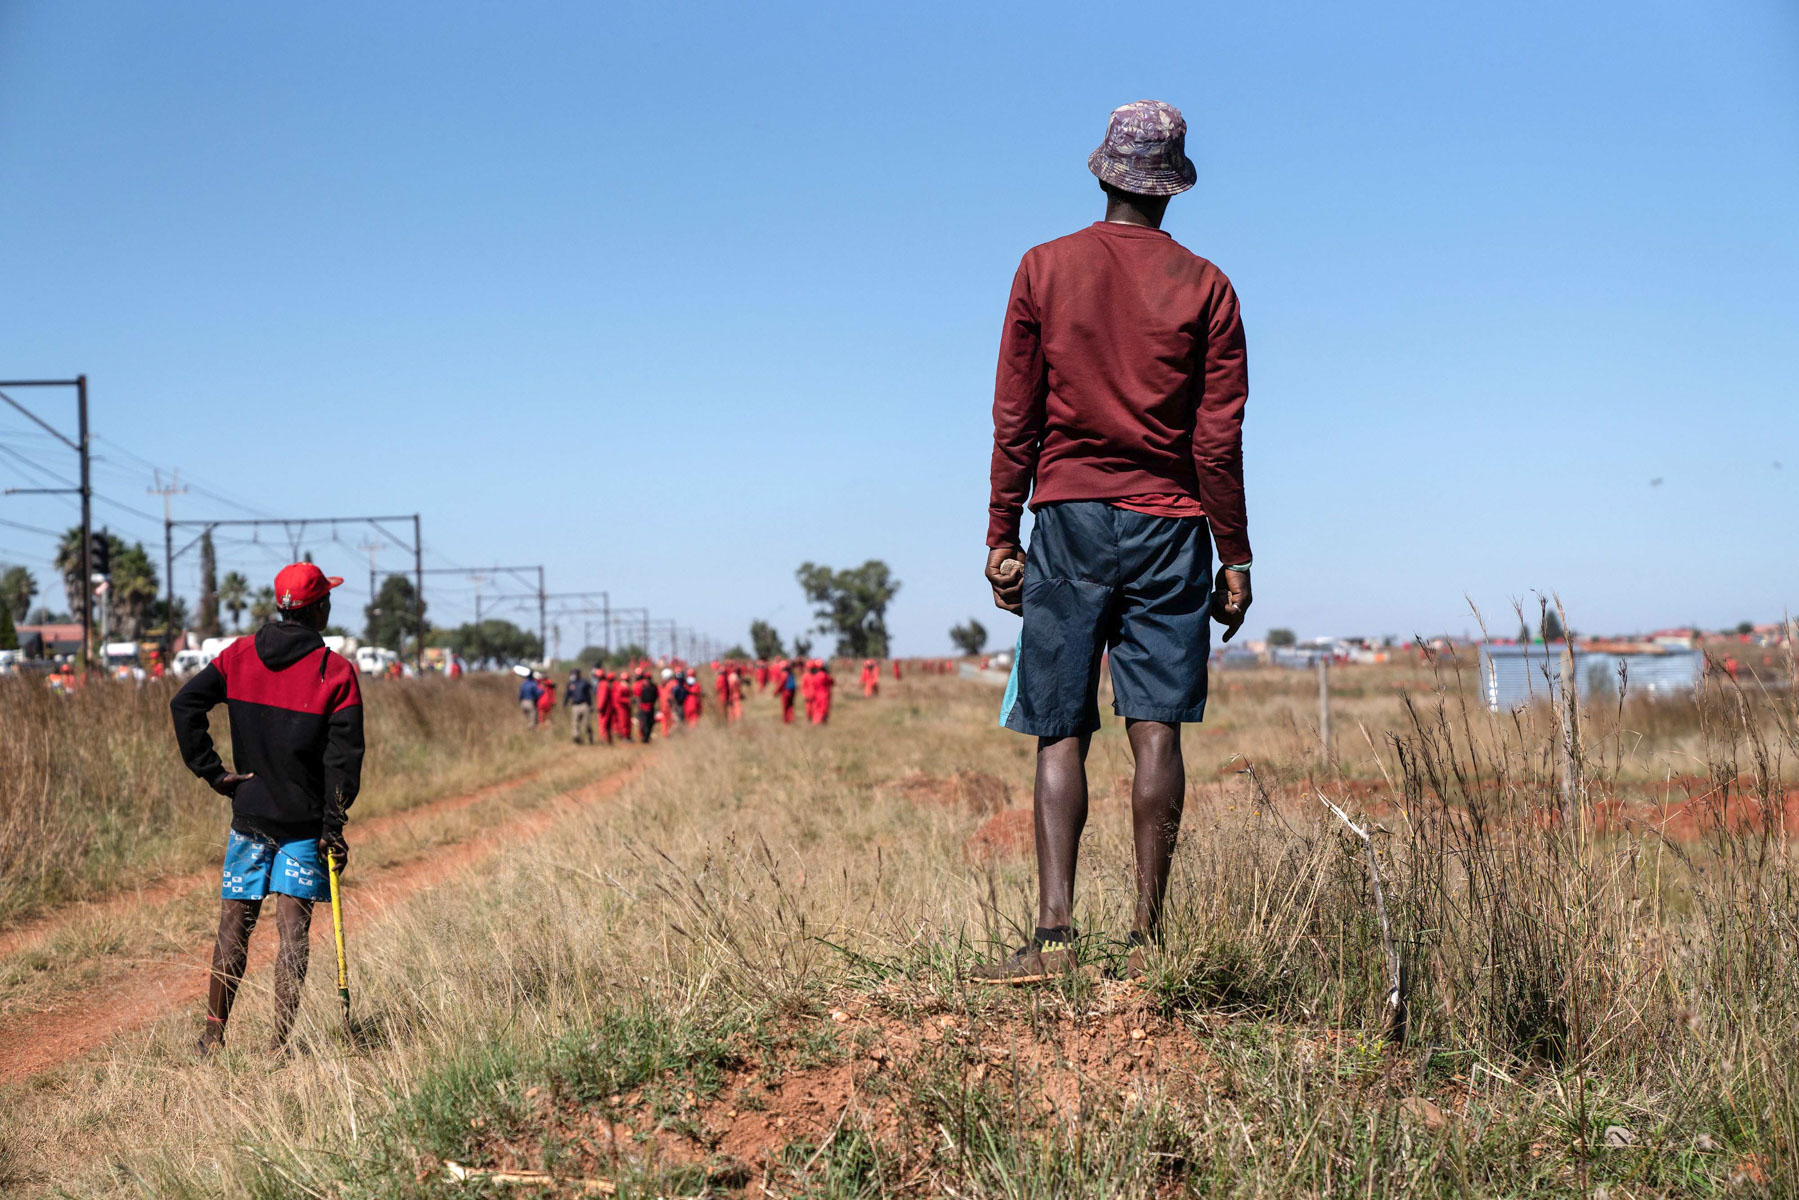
337	930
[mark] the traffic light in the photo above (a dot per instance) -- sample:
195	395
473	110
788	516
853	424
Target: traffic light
100	553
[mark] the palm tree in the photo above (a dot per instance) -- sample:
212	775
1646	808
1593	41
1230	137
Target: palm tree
68	564
134	586
17	587
263	607
234	594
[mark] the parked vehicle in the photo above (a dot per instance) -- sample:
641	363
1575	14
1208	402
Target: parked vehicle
374	660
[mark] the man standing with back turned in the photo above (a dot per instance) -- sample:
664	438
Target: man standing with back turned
1118	413
296	746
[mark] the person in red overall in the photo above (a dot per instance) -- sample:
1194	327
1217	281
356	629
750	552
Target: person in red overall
762	674
602	702
871	678
734	694
546	701
822	684
721	683
785	687
621	705
896	673
808	673
665	701
696	698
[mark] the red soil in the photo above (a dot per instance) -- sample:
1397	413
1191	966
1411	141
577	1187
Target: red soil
1068	1070
1008	834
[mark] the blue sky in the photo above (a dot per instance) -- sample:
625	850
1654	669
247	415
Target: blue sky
674	297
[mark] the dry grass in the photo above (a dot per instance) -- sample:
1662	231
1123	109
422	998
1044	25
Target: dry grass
744	970
93	797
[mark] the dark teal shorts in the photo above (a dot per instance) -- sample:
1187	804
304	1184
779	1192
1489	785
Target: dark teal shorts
1101	581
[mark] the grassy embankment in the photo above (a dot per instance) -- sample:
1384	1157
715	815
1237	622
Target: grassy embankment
93	796
745	969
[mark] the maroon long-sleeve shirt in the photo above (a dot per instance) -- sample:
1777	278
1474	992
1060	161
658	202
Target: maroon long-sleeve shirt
1122	377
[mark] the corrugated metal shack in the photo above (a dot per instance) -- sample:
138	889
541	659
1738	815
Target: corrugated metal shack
1518	674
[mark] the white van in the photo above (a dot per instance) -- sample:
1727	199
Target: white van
373	660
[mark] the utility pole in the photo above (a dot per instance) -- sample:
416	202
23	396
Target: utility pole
372	548
86	491
542	614
172	489
418	597
87	534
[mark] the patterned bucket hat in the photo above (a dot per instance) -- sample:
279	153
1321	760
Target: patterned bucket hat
1145	150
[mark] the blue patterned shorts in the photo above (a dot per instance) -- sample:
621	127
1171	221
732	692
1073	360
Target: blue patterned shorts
254	868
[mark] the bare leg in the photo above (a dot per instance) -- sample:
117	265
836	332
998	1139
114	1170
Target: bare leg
229	953
1060	803
1158	794
293	917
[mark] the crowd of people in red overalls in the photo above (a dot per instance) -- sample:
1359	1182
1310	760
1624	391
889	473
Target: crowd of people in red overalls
633	703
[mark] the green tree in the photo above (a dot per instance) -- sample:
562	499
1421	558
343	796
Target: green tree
394	614
134	581
1281	637
208	624
262	606
17	587
68	564
802	646
134	590
970	638
1552	626
160	617
1745	627
9	636
234	594
851	604
735	654
490	642
765	639
627	654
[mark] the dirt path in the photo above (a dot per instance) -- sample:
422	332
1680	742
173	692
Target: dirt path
139	994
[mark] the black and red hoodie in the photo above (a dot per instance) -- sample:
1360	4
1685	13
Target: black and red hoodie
296	726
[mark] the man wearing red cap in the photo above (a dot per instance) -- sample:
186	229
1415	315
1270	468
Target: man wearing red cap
296	745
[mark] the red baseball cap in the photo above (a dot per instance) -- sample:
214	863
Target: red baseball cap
300	584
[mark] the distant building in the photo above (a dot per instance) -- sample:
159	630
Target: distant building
49	641
1515	675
